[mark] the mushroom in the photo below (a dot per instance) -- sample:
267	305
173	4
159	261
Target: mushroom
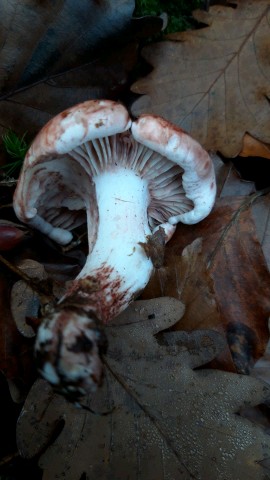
129	181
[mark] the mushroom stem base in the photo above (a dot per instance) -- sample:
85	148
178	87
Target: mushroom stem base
117	268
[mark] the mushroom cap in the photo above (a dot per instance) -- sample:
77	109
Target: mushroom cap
50	190
198	179
56	185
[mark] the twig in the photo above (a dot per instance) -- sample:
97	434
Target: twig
74	243
38	286
8	459
7	205
10	182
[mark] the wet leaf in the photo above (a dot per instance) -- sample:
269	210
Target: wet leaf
143	436
217	269
73	51
60	37
213	81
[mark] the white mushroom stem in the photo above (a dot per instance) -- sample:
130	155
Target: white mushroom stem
117	268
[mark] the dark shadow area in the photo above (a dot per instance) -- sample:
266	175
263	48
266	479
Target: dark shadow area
255	169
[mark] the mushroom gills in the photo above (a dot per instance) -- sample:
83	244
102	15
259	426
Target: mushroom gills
72	177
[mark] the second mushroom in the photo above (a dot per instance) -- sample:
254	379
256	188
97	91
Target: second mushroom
128	180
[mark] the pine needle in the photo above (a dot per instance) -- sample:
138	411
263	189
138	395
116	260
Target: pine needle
16	147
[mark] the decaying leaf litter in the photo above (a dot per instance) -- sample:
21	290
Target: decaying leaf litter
210	302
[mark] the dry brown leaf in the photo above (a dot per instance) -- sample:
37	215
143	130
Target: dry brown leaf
253	148
214	82
24	302
168	420
223	280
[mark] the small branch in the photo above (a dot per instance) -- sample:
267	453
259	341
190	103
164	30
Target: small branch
10	182
74	243
8	459
39	286
7	205
16	270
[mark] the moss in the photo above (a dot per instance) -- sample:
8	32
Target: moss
179	12
16	148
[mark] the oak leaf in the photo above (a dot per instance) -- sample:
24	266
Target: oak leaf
74	51
164	419
214	81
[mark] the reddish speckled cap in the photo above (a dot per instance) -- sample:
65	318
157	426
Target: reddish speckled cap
56	179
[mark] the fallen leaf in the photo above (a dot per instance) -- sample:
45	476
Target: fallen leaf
24	301
142	435
261	216
36	104
213	81
229	183
73	51
59	37
154	247
222	279
254	148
